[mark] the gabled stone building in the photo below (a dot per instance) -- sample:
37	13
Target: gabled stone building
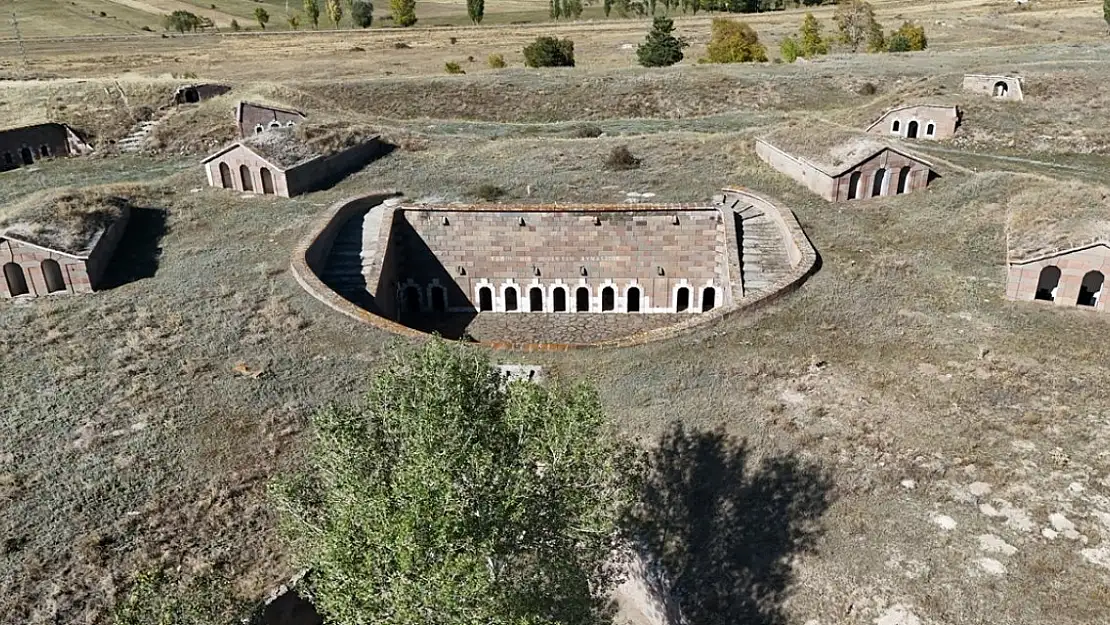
278	162
997	87
59	242
918	121
840	165
191	94
25	145
253	118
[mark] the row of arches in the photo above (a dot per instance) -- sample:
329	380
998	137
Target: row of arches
880	184
559	298
26	156
1090	289
246	179
259	128
16	278
913	128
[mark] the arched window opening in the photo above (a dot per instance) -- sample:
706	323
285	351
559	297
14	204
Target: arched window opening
911	130
411	299
682	299
439	299
535	299
559	300
275	124
877	185
582	299
1090	289
191	96
52	274
896	126
290	124
930	130
903	179
267	181
17	282
485	299
258	129
854	182
1047	284
608	299
633	297
1001	89
510	299
44	151
28	158
708	299
246	178
225	177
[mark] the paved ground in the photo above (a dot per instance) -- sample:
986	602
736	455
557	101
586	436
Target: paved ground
543	327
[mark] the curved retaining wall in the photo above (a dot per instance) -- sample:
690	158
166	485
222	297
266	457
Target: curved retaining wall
311	254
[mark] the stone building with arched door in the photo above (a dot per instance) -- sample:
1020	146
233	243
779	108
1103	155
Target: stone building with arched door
934	122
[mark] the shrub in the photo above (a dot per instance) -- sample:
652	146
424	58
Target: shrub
549	52
586	131
453	40
489	192
358	49
403	12
661	48
147	29
789	50
913	36
401	45
262	17
496	61
855	19
452	67
235	27
867	88
181	21
362	13
898	43
733	42
812	44
621	159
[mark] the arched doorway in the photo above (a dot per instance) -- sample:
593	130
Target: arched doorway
535	299
877	185
903	179
708	299
582	299
485	299
439	299
1090	289
682	299
191	96
28	158
633	297
896	126
17	282
854	182
44	151
411	299
267	181
608	299
1001	89
911	130
1047	284
52	275
510	299
8	160
246	178
225	177
559	300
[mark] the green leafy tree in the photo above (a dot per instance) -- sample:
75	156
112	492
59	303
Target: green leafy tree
293	21
897	43
153	598
732	41
790	49
1106	11
335	11
362	13
855	20
661	48
810	41
876	41
446	496
607	6
262	17
476	9
181	21
914	36
572	9
235	27
312	12
403	12
555	9
549	52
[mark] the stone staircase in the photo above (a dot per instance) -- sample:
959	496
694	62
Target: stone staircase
763	258
352	258
136	139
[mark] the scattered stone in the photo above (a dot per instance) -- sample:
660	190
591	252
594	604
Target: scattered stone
1049	533
1060	523
1023	446
993	544
1099	556
1016	518
909	484
991	566
989	510
1075	488
979	489
945	522
898	615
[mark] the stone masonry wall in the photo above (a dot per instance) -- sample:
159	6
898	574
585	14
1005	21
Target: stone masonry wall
810	177
255	115
986	85
464	251
943	119
891	163
37	142
240	157
1023	279
29	259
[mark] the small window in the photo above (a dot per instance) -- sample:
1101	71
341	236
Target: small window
608	299
1090	289
411	299
258	129
682	299
633	297
275	124
535	299
559	300
17	282
878	183
44	151
854	182
708	299
290	124
896	126
582	299
930	130
485	299
1047	284
510	299
52	275
27	156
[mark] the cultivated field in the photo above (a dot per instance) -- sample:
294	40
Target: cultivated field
894	440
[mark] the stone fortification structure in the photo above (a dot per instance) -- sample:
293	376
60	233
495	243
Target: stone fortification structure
39	257
191	94
554	276
841	166
26	145
253	118
1060	258
918	121
279	163
997	87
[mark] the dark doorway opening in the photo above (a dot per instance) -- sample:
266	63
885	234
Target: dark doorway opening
633	299
52	274
854	182
903	179
877	185
225	177
267	181
28	158
708	299
439	299
510	299
485	299
582	299
1047	284
911	130
246	178
559	300
17	282
412	299
608	299
1090	289
535	299
682	300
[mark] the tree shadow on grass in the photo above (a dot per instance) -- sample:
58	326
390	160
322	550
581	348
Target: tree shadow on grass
721	531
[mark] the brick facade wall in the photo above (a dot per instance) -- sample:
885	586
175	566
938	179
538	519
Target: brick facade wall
30	261
891	164
623	253
943	120
253	116
1023	279
19	144
987	85
240	157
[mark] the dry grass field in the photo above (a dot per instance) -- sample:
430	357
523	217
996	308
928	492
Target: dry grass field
893	441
